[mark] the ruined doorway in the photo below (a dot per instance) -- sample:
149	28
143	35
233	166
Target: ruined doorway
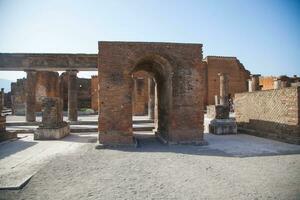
178	71
150	72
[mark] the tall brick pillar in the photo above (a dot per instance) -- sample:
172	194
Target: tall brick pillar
30	103
223	89
254	83
72	95
151	96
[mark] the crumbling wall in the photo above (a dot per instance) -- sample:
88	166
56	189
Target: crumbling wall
270	113
179	72
237	76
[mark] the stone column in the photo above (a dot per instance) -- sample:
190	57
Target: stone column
72	95
254	83
281	82
223	89
30	96
151	96
277	83
1	100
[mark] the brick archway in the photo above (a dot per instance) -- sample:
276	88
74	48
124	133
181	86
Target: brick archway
180	74
161	70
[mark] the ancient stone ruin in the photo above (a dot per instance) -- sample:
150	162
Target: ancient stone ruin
4	135
171	83
53	126
221	124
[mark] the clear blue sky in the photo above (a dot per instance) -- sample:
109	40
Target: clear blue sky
263	34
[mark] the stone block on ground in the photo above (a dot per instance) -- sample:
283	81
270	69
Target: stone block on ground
43	133
223	126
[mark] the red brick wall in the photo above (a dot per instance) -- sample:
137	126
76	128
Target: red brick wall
270	113
180	72
267	82
140	94
237	76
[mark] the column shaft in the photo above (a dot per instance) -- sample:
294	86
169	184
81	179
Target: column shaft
30	103
223	89
72	96
151	98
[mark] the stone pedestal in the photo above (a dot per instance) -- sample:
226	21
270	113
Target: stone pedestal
217	112
52	127
3	134
44	133
223	126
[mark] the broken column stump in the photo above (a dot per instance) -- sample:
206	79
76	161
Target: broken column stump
53	127
4	135
221	123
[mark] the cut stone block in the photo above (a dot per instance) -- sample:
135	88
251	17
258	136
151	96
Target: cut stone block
43	133
218	112
223	126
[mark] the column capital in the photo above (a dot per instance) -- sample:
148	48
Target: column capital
255	75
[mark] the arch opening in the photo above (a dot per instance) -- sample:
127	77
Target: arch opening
158	73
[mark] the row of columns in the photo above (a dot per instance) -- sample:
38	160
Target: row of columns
280	82
30	95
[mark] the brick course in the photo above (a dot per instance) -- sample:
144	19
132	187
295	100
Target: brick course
270	113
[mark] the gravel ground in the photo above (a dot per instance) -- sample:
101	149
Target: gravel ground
156	171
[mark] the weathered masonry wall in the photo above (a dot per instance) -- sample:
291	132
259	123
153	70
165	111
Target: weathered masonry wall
236	73
267	82
94	93
83	91
18	96
46	85
140	93
270	113
179	72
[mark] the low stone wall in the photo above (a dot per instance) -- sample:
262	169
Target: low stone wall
271	113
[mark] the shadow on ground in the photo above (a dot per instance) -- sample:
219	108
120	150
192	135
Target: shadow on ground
224	146
19	145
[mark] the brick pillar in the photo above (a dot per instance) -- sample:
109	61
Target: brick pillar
223	89
254	83
72	95
30	96
151	96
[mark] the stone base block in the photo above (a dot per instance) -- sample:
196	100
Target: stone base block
7	136
107	139
52	133
217	112
223	126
